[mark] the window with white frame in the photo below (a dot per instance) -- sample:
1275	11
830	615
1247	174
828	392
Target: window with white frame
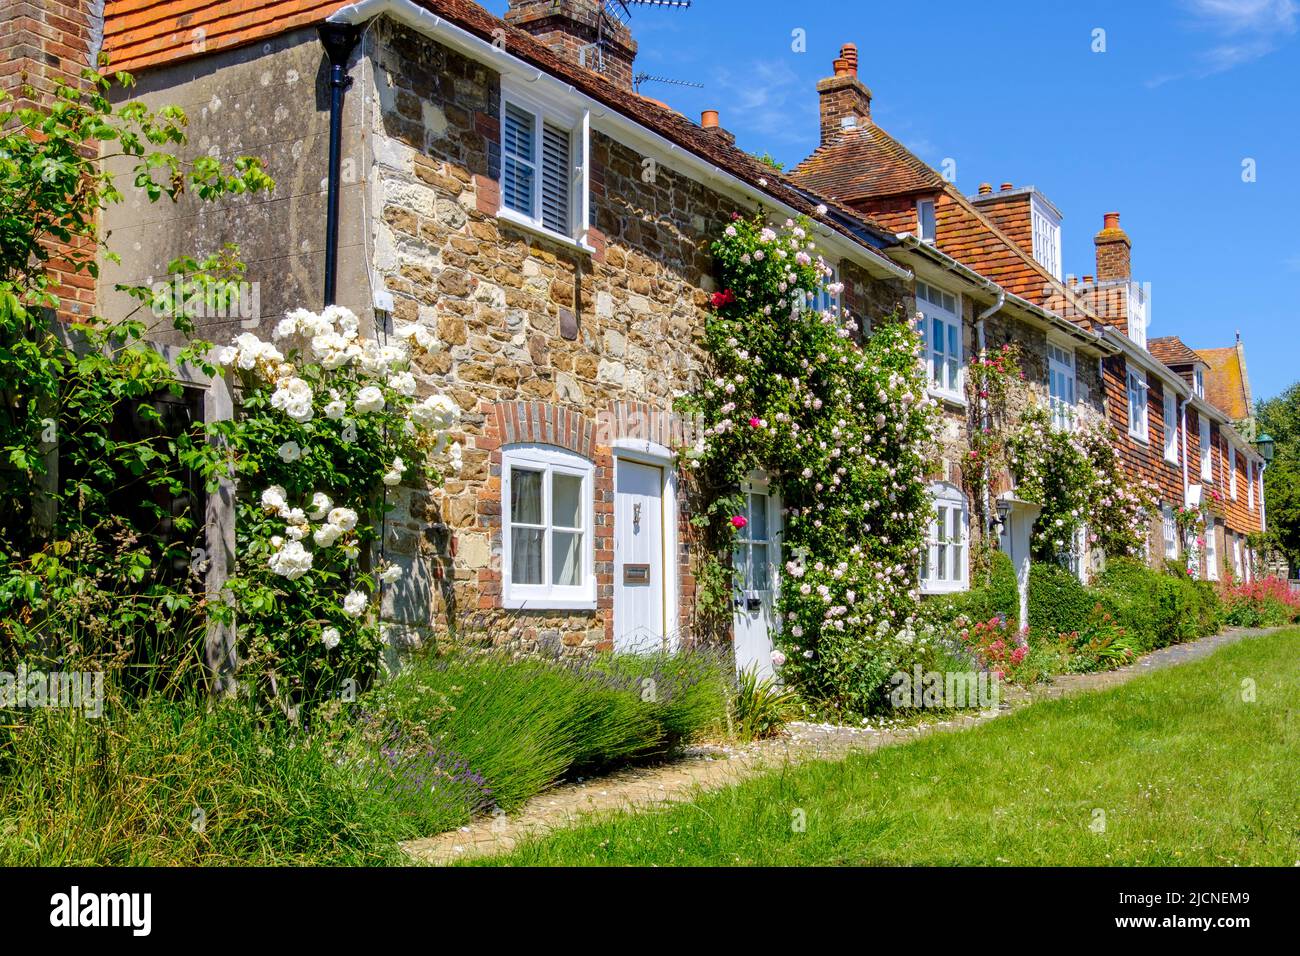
543	167
1198	382
926	227
546	496
822	299
1207	451
1250	484
941	330
1211	550
1138	317
1169	528
1232	473
1238	571
943	565
1138	424
1061	385
1171	425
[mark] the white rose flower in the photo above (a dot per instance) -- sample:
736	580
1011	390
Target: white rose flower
391	574
293	396
330	637
326	535
403	383
345	519
436	411
454	458
394	474
369	399
273	499
354	605
336	408
320	506
289	452
292	561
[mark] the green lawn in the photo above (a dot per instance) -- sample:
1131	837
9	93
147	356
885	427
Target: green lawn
1184	770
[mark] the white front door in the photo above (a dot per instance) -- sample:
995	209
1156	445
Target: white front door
757	559
639	592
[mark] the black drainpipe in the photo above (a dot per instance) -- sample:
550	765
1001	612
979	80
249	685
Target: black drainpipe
339	39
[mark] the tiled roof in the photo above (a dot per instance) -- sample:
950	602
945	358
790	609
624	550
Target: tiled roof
1171	350
872	171
862	162
141	33
1226	385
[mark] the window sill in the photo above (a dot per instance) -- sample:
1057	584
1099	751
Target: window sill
948	398
516	603
528	225
949	587
1140	438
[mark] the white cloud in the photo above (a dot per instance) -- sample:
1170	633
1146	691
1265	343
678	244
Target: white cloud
770	95
1251	29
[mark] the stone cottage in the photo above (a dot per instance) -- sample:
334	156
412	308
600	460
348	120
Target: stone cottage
499	181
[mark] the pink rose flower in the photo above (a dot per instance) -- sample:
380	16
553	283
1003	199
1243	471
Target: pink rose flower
739	521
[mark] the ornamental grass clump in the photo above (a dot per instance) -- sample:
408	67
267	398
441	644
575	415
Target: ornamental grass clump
841	424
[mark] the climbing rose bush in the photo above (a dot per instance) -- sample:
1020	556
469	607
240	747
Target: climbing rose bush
1076	477
844	429
327	422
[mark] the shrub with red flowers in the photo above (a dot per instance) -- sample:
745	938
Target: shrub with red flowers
1264	602
843	427
996	646
1101	644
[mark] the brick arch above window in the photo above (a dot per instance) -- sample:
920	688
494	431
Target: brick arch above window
543	423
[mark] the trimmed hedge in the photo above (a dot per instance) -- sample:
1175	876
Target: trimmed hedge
1155	608
1058	602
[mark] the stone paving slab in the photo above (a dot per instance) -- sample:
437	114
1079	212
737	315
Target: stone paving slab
712	766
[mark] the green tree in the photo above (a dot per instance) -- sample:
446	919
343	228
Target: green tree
1280	418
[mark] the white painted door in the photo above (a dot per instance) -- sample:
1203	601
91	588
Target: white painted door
757	559
639	596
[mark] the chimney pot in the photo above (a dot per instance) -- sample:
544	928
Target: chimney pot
1087	280
1007	187
1111	220
849	54
986	189
842	67
709	119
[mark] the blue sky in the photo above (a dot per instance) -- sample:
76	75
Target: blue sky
1157	126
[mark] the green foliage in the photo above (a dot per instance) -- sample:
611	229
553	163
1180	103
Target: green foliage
181	784
761	708
843	428
1058	601
321	430
1280	418
104	550
522	725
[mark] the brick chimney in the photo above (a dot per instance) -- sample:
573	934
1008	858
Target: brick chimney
709	122
845	99
1114	251
571	28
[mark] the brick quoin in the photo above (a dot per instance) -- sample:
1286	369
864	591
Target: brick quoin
42	43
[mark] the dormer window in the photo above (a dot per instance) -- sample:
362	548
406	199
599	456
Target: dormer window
1198	383
1138	318
1047	235
925	220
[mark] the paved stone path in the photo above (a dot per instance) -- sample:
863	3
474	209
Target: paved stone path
711	766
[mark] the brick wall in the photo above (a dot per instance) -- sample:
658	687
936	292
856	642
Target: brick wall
42	43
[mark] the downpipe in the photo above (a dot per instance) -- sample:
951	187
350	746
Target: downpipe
339	40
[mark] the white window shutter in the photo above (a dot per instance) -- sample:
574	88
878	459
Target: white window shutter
518	161
556	180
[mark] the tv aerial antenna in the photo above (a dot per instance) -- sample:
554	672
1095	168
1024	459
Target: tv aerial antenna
647	78
613	15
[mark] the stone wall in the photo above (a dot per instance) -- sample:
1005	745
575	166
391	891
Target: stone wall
541	341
